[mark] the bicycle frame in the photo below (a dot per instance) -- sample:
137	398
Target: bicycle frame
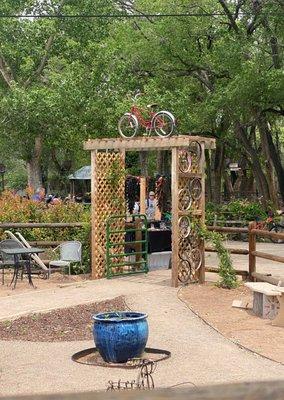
146	123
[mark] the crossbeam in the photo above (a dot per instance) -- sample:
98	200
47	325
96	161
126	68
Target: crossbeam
147	143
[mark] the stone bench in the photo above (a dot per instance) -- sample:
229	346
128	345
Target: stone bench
265	299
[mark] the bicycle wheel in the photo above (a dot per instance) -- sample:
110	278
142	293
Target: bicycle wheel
128	126
184	161
163	123
195	188
277	229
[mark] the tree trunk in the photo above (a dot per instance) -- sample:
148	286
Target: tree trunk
219	158
273	154
34	165
143	157
255	163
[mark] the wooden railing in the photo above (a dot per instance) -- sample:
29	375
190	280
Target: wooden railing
251	231
253	234
269	390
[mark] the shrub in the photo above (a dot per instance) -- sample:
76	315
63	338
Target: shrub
235	210
20	210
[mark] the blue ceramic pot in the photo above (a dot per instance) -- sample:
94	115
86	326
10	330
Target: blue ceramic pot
121	335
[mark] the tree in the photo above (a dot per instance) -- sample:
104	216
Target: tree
221	75
48	99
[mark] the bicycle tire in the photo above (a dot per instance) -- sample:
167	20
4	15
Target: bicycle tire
164	123
277	229
132	124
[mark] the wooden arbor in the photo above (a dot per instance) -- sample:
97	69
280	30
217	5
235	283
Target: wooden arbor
188	197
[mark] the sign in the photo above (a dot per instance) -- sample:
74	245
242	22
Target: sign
234	167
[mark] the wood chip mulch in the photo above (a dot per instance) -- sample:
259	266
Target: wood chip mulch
67	324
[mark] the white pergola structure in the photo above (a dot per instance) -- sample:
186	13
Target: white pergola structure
188	197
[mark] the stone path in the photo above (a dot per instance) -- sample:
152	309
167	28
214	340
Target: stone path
199	354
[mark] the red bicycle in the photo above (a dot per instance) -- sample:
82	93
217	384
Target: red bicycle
162	122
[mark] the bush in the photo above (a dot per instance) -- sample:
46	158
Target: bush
235	210
20	210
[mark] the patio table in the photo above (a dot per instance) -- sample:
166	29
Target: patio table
17	252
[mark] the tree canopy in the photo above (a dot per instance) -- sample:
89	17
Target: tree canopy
216	64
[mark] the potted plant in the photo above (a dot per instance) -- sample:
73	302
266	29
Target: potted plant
120	336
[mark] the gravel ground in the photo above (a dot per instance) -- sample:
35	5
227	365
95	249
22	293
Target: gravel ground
61	325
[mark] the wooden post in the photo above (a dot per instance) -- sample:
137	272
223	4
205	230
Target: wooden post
175	231
93	212
142	195
252	247
202	207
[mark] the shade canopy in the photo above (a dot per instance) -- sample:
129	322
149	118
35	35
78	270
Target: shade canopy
82	174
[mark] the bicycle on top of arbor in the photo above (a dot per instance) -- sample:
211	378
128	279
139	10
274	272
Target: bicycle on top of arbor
163	123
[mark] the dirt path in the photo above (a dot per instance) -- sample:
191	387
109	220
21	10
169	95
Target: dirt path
214	305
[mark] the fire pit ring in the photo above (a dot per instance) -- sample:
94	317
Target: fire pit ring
92	357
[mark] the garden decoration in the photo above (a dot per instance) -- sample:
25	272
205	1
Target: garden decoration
162	122
120	336
187	198
144	380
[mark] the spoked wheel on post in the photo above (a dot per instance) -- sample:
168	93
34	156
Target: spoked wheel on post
164	123
128	126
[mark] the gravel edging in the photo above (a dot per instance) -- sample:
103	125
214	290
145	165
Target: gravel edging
64	324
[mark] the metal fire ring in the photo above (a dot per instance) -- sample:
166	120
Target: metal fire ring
92	357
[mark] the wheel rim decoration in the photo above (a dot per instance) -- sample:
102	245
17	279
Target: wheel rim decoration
184	161
184	226
185	200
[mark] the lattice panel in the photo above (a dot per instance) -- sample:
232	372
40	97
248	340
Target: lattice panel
190	202
107	199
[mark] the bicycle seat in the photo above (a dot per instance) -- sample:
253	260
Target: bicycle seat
152	105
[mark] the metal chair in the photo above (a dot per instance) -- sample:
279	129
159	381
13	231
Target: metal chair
6	259
70	252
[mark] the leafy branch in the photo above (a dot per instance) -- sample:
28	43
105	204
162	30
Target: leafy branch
227	272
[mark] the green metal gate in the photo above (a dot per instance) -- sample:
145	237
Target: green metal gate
127	245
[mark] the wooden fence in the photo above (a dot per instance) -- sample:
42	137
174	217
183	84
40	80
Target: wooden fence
252	252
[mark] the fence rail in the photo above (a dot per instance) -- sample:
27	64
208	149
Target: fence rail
253	233
252	253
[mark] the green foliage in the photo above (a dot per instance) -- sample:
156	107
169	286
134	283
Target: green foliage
226	270
236	210
15	209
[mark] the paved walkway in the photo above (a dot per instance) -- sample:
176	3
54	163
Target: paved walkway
199	354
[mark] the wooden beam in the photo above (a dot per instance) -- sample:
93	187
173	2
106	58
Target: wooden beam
267	278
268	256
94	191
252	248
147	143
267	390
202	209
230	250
227	229
142	195
175	210
216	270
270	235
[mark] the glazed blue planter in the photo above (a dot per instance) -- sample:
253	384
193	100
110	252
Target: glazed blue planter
121	335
